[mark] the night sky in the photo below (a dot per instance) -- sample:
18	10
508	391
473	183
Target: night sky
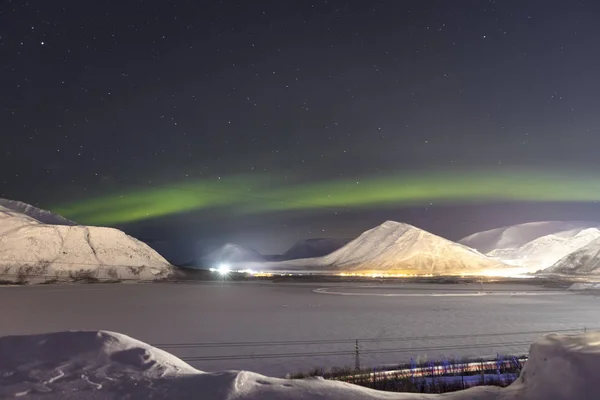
266	122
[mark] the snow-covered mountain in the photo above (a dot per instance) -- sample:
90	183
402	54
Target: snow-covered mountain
584	261
31	249
231	253
317	247
534	245
38	214
400	247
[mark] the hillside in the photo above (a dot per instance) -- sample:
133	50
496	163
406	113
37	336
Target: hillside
38	214
535	245
31	249
402	248
515	236
584	261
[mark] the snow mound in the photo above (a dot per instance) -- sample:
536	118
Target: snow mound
561	367
107	365
46	217
232	253
32	250
317	247
400	247
535	245
584	261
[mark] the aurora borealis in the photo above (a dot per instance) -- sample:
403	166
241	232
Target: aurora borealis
263	123
242	196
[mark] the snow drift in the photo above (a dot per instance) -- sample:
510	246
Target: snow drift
584	261
31	249
107	365
534	245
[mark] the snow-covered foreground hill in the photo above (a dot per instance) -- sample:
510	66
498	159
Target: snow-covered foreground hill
535	245
396	248
106	365
31	250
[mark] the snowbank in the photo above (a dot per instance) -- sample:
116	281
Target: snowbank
31	250
106	365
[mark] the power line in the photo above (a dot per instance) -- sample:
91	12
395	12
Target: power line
342	341
351	352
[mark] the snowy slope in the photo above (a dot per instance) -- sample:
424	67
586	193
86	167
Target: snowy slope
36	213
317	247
515	236
30	248
395	246
106	365
535	245
584	261
546	250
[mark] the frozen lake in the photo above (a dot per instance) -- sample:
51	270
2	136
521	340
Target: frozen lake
392	322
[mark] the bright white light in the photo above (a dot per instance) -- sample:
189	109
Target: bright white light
212	269
224	269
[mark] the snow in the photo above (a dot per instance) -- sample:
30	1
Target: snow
584	261
515	236
107	365
536	245
32	249
395	246
38	214
583	286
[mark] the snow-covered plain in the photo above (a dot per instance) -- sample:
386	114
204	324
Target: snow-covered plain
31	249
175	314
534	246
107	365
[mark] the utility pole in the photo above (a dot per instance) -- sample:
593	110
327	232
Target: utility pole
356	357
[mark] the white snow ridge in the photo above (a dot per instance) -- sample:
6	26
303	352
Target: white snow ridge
106	365
395	246
584	261
31	249
534	245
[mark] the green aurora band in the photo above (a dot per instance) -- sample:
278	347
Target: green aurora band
244	195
